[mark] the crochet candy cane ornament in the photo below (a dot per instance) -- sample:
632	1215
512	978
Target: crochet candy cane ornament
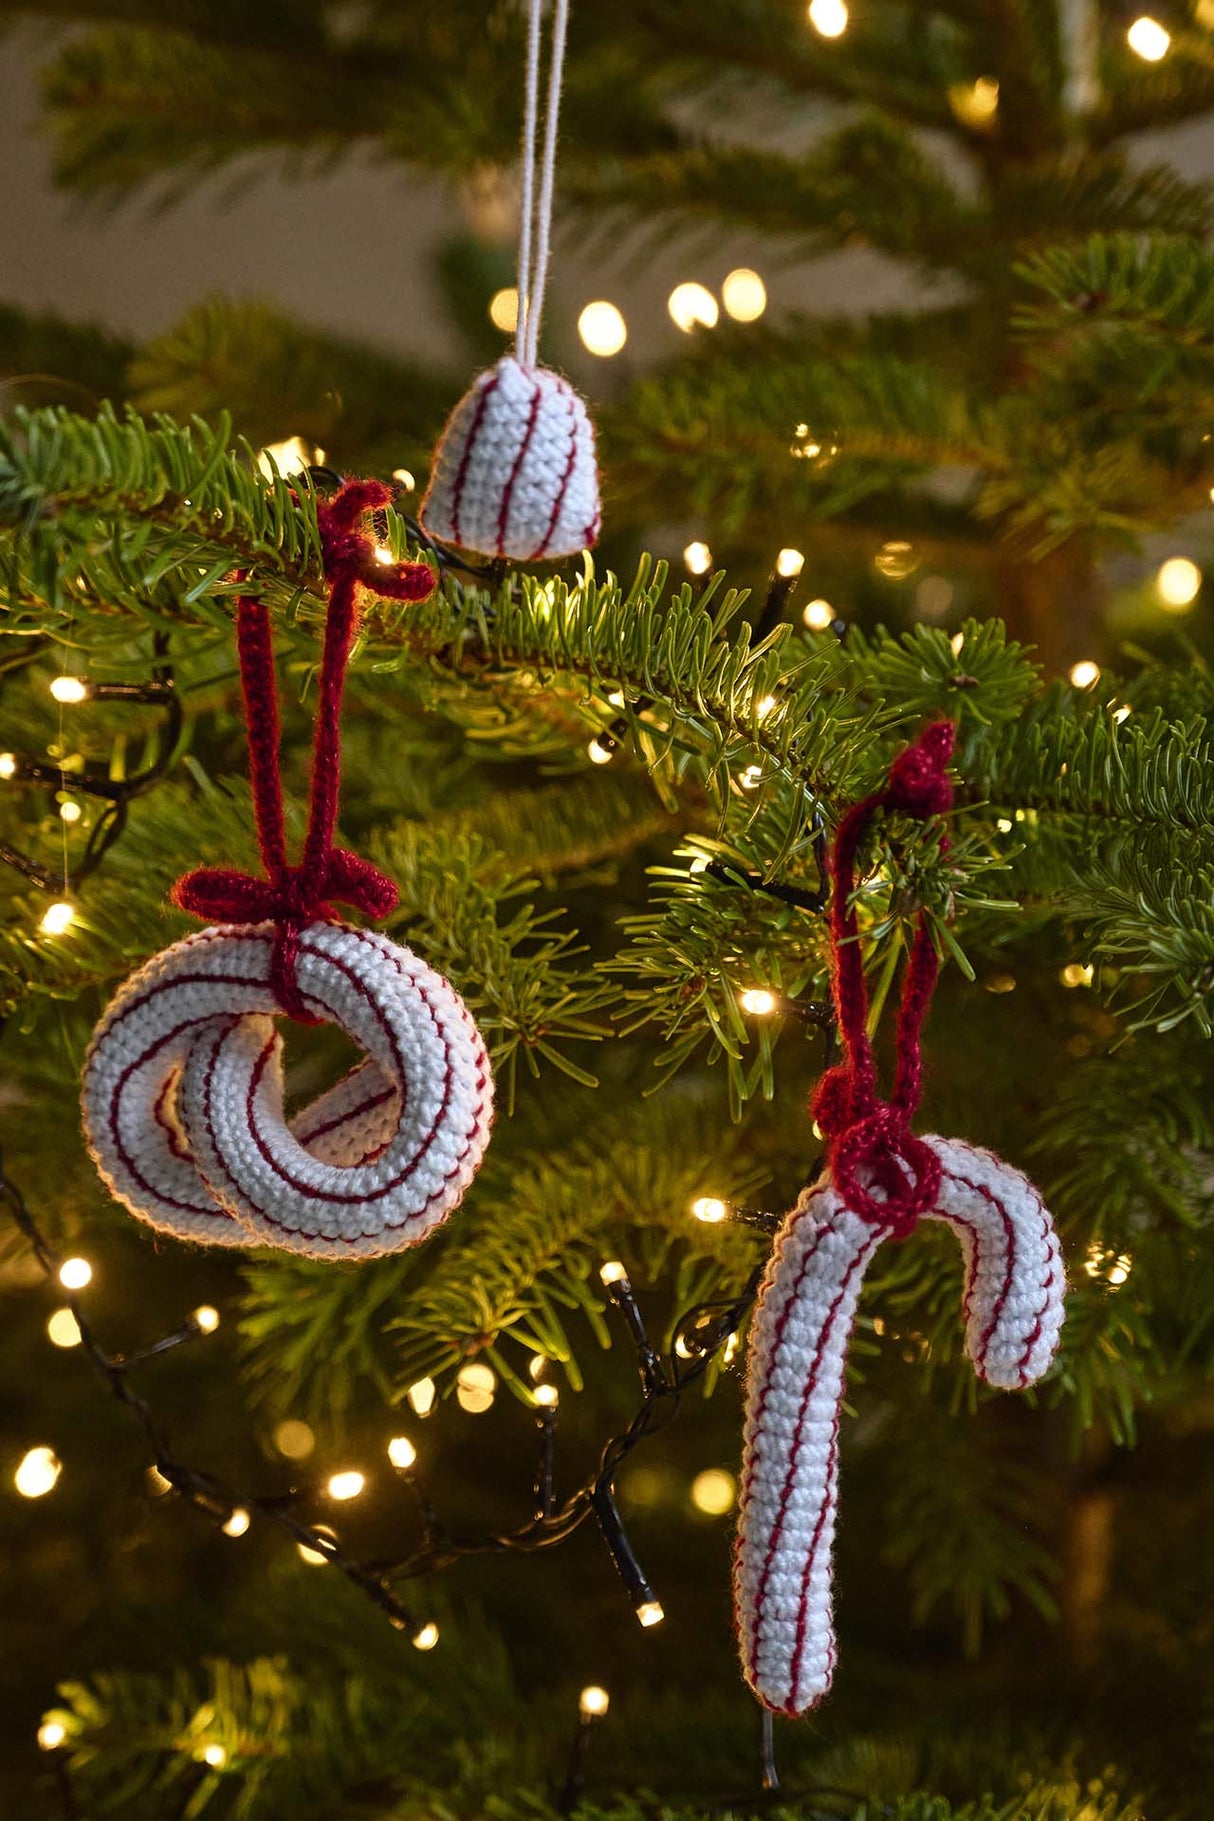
879	1181
183	1088
514	474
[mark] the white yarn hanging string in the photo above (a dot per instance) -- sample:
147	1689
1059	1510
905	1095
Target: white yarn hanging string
535	214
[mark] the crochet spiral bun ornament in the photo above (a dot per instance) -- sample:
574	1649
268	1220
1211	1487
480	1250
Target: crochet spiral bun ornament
879	1182
182	1094
514	474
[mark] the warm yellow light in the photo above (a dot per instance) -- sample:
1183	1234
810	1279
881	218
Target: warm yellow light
37	1473
698	557
421	1396
934	597
975	104
158	1485
75	1273
713	1491
8	764
538	1365
384	555
427	1637
1114	1267
790	562
649	1612
692	306
546	1396
710	1209
238	1522
294	1440
347	1484
1148	39
291	456
1123	713
955	643
758	1001
1178	584
730	1351
699	864
602	329
896	559
764	706
475	1387
63	1329
57	918
613	1272
405	478
215	1756
323	1534
70	810
51	1735
593	1702
751	778
206	1319
598	754
744	295
819	616
1084	673
402	1453
828	17
503	309
69	689
1076	974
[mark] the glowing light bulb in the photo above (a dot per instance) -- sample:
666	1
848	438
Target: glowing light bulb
421	1396
503	309
713	1491
69	689
322	1533
70	810
346	1484
475	1388
238	1522
215	1756
828	17
384	555
730	1351
538	1365
63	1330
1120	1270
751	778
698	865
649	1612
402	1453
427	1637
819	616
896	559
1123	713
1148	39
291	456
613	1272
955	643
8	764
157	1484
598	754
51	1735
205	1318
57	918
75	1273
546	1396
593	1702
692	306
698	557
294	1440
1076	974
790	562
758	1001
405	478
37	1472
710	1209
744	294
1084	674
975	104
1178	584
764	706
602	329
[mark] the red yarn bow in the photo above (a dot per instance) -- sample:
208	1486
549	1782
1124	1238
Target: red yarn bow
293	896
870	1143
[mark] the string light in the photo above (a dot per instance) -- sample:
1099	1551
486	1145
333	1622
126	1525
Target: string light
593	1702
157	1484
751	778
790	562
713	1491
205	1318
538	1365
347	1484
69	690
599	753
51	1735
384	555
287	458
427	1637
63	1330
613	1272
744	295
546	1396
602	329
1076	974
420	1396
764	706
650	1613
238	1522
699	864
1178	584
1084	673
955	643
1123	713
828	17
758	1001
294	1440
975	104
37	1473
730	1351
314	1556
1113	1267
476	1388
57	918
404	478
503	309
70	810
8	765
402	1453
692	306
1148	39
698	557
75	1273
819	615
215	1756
896	560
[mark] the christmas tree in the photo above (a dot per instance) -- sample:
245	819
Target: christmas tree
399	1538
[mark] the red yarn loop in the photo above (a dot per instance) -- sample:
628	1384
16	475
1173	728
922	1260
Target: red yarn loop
294	896
886	1174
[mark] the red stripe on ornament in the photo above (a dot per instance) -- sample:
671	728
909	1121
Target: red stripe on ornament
508	491
461	478
563	487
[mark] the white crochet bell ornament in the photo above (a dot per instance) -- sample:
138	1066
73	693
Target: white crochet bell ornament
514	474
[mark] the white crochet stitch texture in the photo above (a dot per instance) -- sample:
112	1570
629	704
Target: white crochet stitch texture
514	473
1013	1306
183	1096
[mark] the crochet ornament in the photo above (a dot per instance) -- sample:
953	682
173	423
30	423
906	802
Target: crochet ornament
879	1182
514	474
183	1085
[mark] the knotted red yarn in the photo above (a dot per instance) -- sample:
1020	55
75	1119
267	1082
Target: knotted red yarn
294	896
870	1144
